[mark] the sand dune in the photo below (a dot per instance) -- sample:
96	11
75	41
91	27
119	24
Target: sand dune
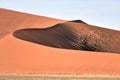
12	20
72	35
20	56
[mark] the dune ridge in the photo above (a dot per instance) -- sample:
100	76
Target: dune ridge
12	20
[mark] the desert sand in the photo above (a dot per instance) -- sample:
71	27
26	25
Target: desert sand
12	20
21	56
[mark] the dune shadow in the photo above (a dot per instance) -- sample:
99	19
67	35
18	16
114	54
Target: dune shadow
57	38
64	36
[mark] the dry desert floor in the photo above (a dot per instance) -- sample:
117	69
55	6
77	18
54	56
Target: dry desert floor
56	77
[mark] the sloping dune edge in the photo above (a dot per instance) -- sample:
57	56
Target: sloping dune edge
13	20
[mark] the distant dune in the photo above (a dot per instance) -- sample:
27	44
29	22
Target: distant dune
74	35
19	53
78	21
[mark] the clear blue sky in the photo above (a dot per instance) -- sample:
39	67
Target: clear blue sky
104	13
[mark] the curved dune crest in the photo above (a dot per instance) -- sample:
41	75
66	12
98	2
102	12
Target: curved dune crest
74	35
13	20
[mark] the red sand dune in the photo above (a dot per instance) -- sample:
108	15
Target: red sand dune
12	20
19	56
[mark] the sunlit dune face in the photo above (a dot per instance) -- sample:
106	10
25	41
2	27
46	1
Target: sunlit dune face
73	35
13	20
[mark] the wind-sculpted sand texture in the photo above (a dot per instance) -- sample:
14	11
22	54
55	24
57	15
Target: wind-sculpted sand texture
20	56
74	35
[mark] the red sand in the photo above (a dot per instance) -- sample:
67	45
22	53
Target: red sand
12	20
18	56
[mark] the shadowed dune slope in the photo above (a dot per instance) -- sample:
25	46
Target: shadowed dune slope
72	35
13	20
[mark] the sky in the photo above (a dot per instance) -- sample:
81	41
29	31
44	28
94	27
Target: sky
105	13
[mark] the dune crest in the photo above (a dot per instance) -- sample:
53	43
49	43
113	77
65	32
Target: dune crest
13	20
74	35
